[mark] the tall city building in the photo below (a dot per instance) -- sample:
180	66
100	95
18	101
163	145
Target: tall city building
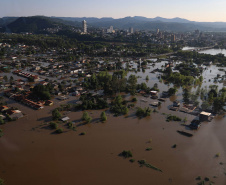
130	30
173	38
157	32
111	29
160	34
84	27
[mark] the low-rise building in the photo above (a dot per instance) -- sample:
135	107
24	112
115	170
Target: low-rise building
14	114
205	116
176	104
3	108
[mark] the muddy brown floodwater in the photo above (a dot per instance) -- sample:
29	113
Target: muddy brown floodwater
32	154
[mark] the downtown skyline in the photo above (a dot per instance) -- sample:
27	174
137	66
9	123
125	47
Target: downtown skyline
201	11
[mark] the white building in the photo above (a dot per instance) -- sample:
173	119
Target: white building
84	27
111	30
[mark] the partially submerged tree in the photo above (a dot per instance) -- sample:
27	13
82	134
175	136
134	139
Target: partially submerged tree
103	116
86	117
56	115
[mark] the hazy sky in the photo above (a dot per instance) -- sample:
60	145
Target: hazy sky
195	10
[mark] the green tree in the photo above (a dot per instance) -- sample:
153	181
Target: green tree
213	92
134	99
172	91
143	86
210	98
103	116
126	154
118	100
105	80
46	95
86	117
144	63
53	125
2	182
118	106
1	121
120	74
155	86
118	84
222	94
59	131
186	95
42	91
205	105
132	83
143	112
94	81
56	115
218	105
168	71
201	78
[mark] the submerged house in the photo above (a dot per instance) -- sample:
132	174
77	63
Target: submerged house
3	108
76	93
195	124
188	108
14	114
65	118
176	103
154	93
48	102
205	116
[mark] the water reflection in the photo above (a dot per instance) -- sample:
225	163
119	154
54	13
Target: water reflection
214	51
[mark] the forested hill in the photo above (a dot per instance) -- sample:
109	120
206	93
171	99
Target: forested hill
35	24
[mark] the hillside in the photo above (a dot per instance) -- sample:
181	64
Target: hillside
6	20
34	24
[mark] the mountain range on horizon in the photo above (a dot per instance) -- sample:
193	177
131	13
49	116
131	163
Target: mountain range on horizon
36	23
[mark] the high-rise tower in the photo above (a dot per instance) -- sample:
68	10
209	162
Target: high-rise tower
84	26
173	38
